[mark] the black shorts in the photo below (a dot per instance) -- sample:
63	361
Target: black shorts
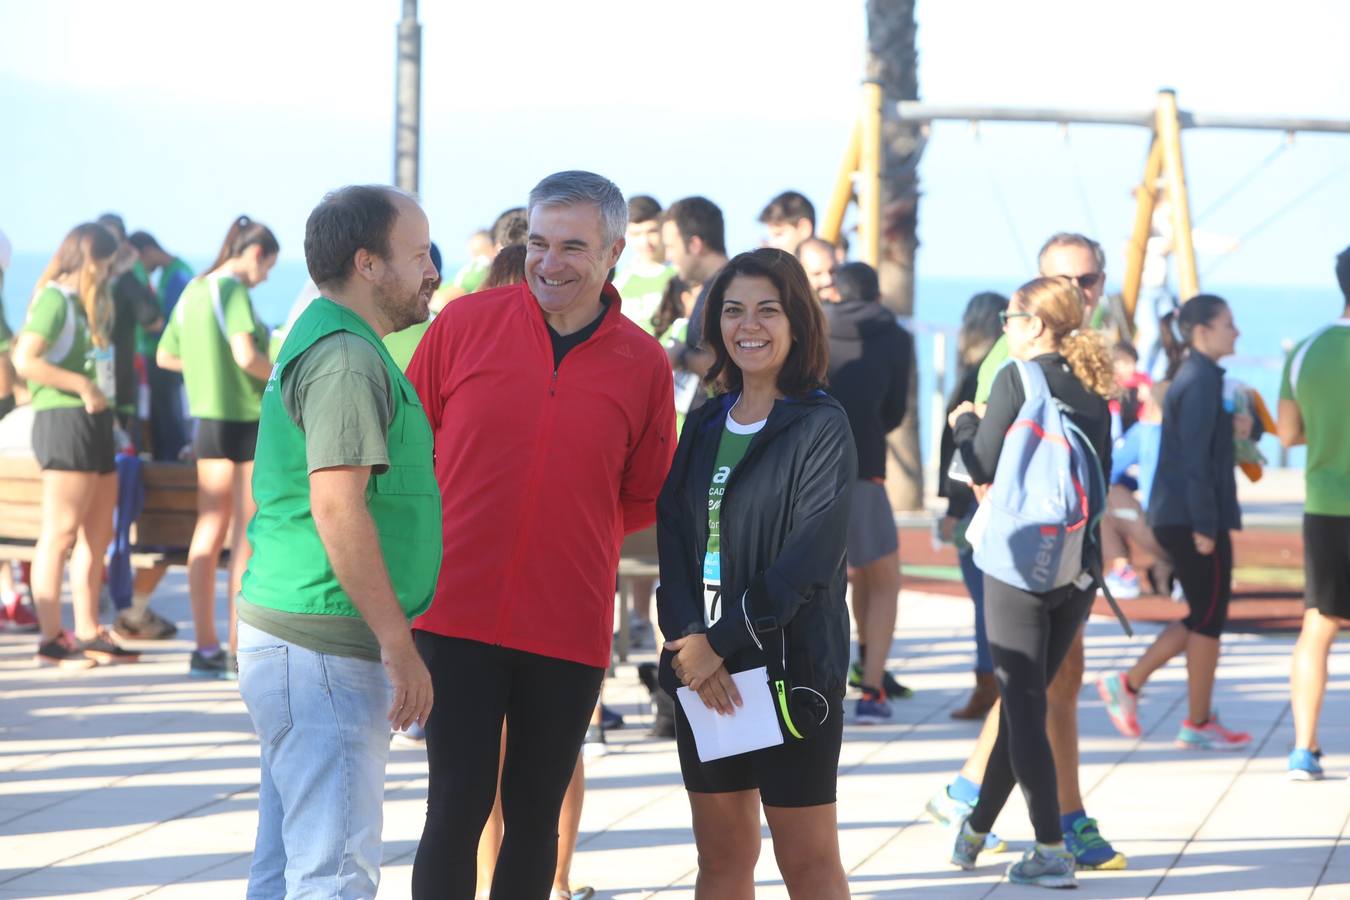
1326	564
218	439
72	440
1206	580
793	774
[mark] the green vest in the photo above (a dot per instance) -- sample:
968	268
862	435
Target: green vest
289	570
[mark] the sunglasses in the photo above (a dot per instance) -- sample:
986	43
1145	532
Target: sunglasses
1003	317
1088	281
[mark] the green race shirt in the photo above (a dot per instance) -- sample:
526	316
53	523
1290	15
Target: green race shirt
58	318
1315	377
642	291
731	449
998	355
402	344
471	275
198	333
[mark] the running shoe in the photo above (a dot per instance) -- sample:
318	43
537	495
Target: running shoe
612	720
17	618
104	648
1122	704
1305	765
947	811
872	709
62	653
593	745
1211	736
1123	583
894	690
1044	868
1089	849
967	846
151	626
220	665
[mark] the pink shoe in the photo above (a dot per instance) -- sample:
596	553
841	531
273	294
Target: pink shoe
1122	704
1211	736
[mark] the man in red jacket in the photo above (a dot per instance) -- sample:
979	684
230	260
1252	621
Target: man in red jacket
554	426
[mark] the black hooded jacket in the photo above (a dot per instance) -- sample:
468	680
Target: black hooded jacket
784	519
870	359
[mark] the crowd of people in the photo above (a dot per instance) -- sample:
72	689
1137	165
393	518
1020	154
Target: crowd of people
425	485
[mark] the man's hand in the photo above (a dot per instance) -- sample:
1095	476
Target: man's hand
1204	544
411	682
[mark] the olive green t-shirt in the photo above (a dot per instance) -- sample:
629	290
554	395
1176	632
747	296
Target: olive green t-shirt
1315	377
402	344
59	320
338	393
998	355
199	333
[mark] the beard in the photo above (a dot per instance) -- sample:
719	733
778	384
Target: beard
402	307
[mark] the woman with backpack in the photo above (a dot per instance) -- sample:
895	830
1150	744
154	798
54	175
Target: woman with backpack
1192	509
1030	632
64	350
215	339
751	529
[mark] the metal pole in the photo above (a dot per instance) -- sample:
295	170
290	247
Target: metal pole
938	415
869	189
1169	136
833	223
914	111
408	100
1146	197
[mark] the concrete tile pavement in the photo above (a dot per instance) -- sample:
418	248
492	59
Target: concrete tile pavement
135	781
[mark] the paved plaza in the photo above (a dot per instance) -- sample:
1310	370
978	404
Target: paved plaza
135	781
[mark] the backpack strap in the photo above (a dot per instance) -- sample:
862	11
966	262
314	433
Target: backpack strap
61	347
1097	500
1034	384
217	306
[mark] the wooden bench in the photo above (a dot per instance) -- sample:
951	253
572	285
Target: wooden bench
159	536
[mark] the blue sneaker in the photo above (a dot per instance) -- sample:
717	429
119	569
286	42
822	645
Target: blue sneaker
872	709
1089	849
1305	765
967	846
609	719
947	811
1044	868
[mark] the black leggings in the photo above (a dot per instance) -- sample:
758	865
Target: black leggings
1206	580
1029	636
547	704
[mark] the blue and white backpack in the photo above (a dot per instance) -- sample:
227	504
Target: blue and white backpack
1048	495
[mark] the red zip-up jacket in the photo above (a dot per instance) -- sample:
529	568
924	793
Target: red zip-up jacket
541	472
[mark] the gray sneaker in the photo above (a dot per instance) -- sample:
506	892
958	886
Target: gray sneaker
968	845
222	665
1051	869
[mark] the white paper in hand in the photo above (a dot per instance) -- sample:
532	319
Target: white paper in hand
978	523
753	726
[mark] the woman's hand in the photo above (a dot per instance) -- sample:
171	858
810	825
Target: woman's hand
1204	544
1242	426
947	529
95	401
698	666
965	406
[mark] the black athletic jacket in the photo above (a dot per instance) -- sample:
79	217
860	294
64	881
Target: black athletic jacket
870	359
784	519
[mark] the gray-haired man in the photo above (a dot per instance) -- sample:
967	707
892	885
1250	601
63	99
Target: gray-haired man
554	424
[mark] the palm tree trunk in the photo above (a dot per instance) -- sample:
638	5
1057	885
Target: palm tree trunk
892	62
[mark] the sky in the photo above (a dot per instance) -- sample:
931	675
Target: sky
181	116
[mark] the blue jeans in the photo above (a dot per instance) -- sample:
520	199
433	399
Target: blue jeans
325	742
974	579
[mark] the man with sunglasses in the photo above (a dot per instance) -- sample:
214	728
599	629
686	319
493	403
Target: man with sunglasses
1080	258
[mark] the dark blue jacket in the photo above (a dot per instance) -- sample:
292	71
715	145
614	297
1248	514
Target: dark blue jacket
1195	485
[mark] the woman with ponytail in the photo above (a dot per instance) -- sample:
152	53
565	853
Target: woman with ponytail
1192	509
215	339
1031	633
65	353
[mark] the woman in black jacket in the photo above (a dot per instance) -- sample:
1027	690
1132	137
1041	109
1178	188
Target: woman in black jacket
751	527
1192	508
1030	633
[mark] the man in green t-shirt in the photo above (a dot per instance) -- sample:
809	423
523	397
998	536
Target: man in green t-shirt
346	550
1081	258
1312	411
642	281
